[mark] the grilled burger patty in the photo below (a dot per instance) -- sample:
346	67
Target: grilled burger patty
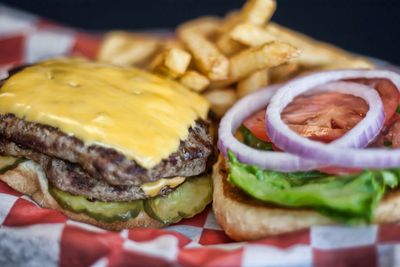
105	163
70	177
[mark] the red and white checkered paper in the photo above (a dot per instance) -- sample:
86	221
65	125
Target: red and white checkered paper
33	236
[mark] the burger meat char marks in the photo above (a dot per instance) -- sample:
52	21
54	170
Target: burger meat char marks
99	172
71	178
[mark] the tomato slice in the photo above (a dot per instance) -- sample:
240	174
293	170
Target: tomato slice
327	116
256	124
324	116
322	134
393	135
339	170
390	135
387	91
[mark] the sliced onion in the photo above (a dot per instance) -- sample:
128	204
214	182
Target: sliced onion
279	161
363	132
334	153
233	119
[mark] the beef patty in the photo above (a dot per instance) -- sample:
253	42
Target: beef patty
106	163
71	178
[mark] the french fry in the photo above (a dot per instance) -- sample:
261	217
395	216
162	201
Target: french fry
221	84
258	12
243	51
230	21
171	43
177	60
195	81
261	57
206	56
224	43
252	83
173	62
228	46
311	55
127	49
348	63
206	26
314	54
221	100
111	45
284	72
251	35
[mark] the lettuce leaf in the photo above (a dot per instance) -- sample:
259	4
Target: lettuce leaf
347	199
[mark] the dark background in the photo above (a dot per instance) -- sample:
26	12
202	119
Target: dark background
369	27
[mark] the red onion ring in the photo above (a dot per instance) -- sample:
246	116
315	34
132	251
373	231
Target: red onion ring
279	161
367	129
334	153
233	119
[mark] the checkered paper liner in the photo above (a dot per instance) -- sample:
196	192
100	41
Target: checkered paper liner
33	236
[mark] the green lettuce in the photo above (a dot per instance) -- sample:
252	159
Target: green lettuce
347	199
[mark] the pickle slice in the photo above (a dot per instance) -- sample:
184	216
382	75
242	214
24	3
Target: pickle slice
99	210
9	163
187	200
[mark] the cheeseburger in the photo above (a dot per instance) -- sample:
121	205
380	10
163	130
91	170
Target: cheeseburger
111	146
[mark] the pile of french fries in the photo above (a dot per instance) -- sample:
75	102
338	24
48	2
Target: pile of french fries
228	58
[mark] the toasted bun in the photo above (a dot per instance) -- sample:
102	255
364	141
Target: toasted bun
29	179
243	218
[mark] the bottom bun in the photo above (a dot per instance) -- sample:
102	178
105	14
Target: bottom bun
244	218
29	179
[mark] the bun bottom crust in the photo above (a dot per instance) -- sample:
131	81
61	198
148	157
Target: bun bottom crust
29	179
243	218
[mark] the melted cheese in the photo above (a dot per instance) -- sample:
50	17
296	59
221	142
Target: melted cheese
152	189
139	114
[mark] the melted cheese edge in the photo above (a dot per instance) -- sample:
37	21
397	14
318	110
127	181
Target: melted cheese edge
154	188
137	113
150	189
